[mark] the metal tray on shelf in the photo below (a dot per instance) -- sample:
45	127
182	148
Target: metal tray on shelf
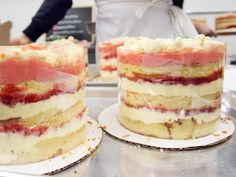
229	100
95	80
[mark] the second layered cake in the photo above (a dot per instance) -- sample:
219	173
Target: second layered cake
42	101
108	58
171	88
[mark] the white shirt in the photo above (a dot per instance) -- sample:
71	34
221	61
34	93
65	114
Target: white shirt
150	18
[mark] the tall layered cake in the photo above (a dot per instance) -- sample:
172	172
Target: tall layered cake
108	58
226	22
171	88
42	101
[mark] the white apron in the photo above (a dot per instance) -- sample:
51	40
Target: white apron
150	18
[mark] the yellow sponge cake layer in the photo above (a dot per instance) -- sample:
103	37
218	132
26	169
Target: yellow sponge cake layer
186	129
171	88
136	99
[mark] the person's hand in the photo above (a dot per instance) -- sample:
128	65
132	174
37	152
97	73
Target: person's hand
22	40
203	28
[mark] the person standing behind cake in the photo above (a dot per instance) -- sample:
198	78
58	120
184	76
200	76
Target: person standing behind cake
117	18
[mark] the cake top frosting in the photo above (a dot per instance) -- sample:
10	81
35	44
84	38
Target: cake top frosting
114	41
59	52
145	45
157	52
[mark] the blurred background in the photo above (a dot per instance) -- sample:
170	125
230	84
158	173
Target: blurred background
20	12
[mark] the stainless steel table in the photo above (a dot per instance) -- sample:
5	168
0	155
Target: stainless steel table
118	159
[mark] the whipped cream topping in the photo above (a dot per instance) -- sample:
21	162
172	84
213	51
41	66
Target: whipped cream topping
114	41
149	46
57	52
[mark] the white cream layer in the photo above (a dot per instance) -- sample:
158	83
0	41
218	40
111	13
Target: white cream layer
172	90
60	102
109	62
18	142
151	116
108	74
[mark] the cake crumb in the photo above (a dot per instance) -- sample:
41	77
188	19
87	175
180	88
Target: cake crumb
103	126
226	118
93	139
67	155
75	172
216	134
193	120
125	136
12	151
90	149
59	152
224	132
89	122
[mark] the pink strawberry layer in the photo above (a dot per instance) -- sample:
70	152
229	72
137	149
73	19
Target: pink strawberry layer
183	57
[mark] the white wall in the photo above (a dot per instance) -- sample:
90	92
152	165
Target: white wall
19	12
209	5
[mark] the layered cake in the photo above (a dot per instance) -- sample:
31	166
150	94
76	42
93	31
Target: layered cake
42	101
154	163
171	88
108	58
226	22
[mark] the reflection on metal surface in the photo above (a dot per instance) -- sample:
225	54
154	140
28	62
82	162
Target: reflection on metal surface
11	174
167	163
228	101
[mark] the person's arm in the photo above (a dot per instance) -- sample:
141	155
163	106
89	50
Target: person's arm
178	3
203	28
50	12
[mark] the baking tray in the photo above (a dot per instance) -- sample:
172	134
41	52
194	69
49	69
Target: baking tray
229	101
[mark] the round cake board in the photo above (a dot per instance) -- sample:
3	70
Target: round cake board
101	82
64	161
108	120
